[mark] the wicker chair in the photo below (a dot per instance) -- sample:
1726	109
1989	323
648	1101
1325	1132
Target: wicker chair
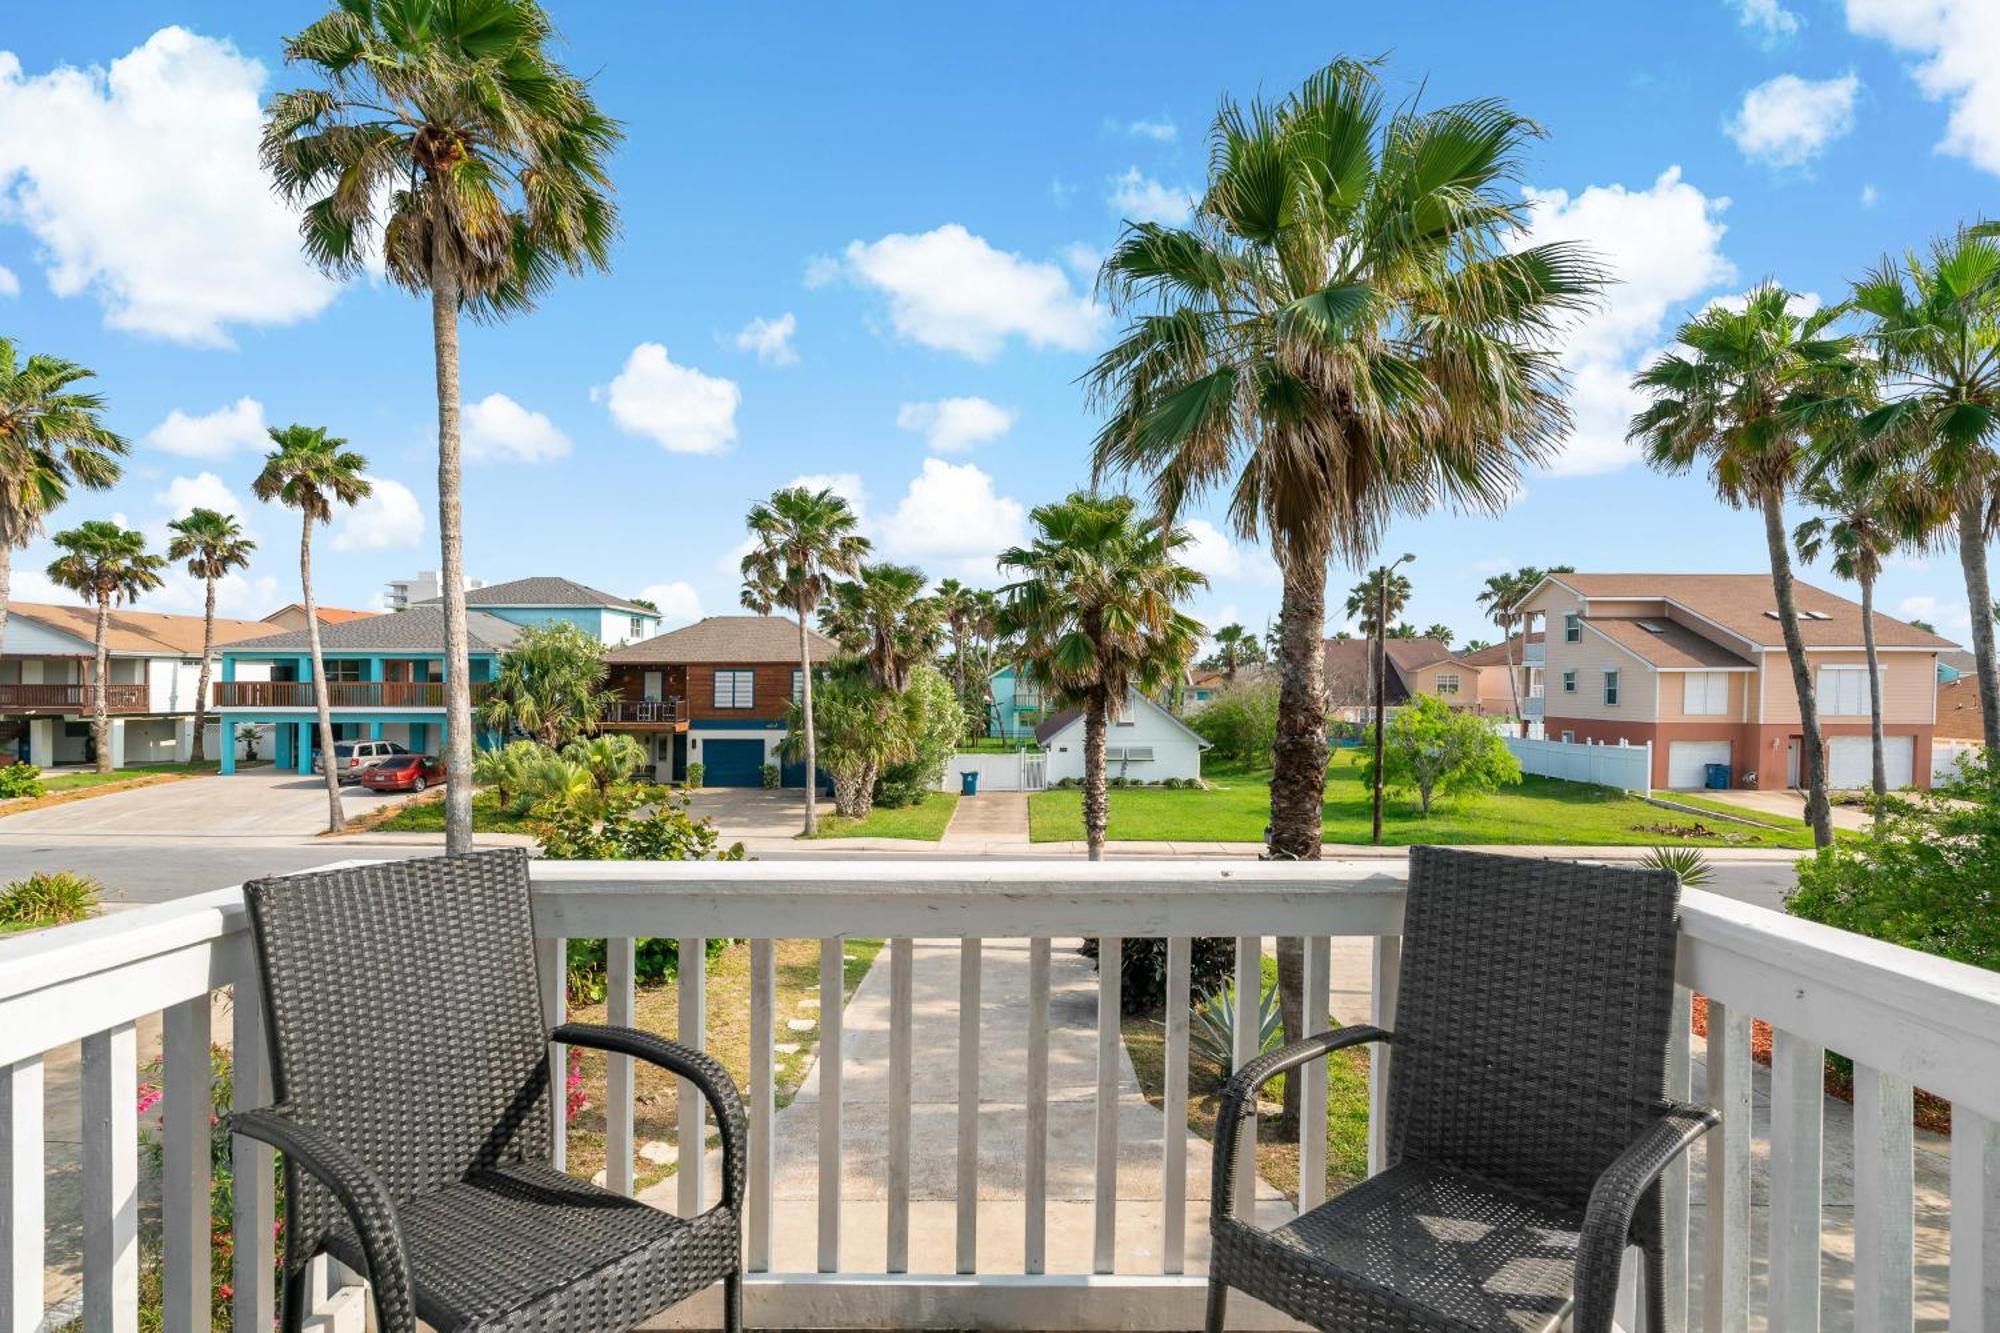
414	1110
1527	1126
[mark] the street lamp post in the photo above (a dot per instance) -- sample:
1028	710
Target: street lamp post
1381	673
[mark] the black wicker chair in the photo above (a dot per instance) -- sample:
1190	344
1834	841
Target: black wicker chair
1527	1123
414	1109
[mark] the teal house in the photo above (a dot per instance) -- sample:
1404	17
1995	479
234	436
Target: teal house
1017	707
385	674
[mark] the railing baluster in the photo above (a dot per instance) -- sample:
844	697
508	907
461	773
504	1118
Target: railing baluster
552	966
252	1187
691	1155
1244	1042
1174	1106
1797	1122
1385	967
831	973
902	988
1975	1219
1674	1183
111	1181
186	1101
1312	1093
970	956
763	1100
620	1010
1884	1200
21	1196
1035	1168
1725	1277
1104	1236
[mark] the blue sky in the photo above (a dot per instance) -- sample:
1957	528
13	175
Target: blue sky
858	243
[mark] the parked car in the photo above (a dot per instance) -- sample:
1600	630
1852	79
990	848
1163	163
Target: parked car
353	758
404	772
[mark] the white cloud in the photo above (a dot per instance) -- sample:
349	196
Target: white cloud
1663	245
1159	130
1083	260
1957	47
1137	197
950	290
770	339
9	284
141	184
390	517
678	407
1769	19
951	515
1788	121
846	485
1213	553
952	425
500	430
1951	618
679	603
1061	192
821	271
1869	196
204	490
217	434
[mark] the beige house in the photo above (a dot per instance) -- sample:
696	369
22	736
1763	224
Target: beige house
1416	667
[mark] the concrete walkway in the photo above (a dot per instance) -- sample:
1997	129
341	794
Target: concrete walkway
1790	804
995	824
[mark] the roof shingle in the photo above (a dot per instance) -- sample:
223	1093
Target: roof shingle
1746	605
542	590
416	629
726	639
153	632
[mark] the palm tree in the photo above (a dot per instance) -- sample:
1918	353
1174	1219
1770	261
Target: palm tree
1438	632
1362	600
312	472
1229	645
214	546
1097	606
1740	393
448	130
801	538
955	608
1934	327
105	563
1501	597
609	759
50	437
550	684
884	617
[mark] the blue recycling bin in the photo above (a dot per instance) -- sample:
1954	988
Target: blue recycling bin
1718	777
968	782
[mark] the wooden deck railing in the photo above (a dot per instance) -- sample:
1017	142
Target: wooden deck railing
76	698
644	712
340	693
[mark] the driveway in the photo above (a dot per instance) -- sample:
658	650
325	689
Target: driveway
1789	803
258	804
742	813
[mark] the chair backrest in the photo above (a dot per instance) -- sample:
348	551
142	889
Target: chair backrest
405	1019
1531	1018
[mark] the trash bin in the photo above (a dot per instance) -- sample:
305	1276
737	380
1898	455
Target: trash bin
1718	777
968	782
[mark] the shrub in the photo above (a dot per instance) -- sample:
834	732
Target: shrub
1142	970
1435	750
1212	1035
1688	864
49	898
20	780
655	962
1241	723
695	772
934	720
771	776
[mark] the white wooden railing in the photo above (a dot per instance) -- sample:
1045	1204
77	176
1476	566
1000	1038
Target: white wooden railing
1907	1019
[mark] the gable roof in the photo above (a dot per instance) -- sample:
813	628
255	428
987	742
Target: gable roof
415	629
328	615
1499	654
1058	722
1347	660
727	639
543	590
1746	605
139	632
1672	646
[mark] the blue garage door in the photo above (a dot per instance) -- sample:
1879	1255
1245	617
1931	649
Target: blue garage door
732	763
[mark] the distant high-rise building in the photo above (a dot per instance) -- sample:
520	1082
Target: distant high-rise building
426	585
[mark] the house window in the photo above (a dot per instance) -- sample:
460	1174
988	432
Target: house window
1610	687
798	685
1843	691
1569	738
1706	693
1572	627
1569	682
1128	754
1447	682
345	668
735	689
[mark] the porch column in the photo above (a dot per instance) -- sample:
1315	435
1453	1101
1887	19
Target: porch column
183	740
419	733
281	745
374	731
116	726
304	745
226	746
42	741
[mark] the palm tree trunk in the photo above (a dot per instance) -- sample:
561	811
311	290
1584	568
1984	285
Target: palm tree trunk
1096	811
806	712
1298	761
6	588
1979	598
336	817
451	549
198	751
1818	812
100	721
1880	773
1507	657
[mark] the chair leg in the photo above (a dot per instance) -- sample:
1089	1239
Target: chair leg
1656	1289
1218	1306
732	1303
292	1300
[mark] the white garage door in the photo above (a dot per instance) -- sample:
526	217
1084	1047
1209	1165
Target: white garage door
1848	761
1688	761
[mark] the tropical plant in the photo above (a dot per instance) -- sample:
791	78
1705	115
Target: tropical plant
610	760
1369	611
1739	394
1501	598
1436	750
934	722
1212	1034
104	563
443	136
1438	632
694	773
1096	602
1241	723
49	898
1475	645
1688	865
956	606
213	545
50	439
20	779
249	735
314	472
549	684
636	823
504	768
1230	644
1142	969
800	538
862	729
884	618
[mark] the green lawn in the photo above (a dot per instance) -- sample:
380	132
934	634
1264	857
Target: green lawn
923	822
1541	811
78	781
427	816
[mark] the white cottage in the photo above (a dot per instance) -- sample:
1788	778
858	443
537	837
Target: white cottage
1145	743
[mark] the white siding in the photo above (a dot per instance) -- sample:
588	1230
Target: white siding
1169	750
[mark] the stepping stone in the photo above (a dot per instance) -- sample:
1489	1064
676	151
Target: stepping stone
810	1002
786	1048
801	1024
659	1154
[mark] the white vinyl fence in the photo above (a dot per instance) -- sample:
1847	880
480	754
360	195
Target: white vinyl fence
1628	767
1946	756
1019	771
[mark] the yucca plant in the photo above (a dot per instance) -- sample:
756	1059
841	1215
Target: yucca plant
49	898
1212	1035
1689	864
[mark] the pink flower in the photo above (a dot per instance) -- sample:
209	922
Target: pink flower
149	1097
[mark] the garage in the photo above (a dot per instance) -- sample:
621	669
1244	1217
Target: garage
732	763
1688	761
1850	762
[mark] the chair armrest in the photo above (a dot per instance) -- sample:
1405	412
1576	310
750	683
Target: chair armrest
362	1195
1239	1097
1614	1200
699	1068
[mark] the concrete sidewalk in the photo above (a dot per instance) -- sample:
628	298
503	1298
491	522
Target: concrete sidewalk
995	824
1789	804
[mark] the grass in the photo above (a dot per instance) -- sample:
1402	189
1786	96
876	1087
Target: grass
1540	811
426	815
80	781
655	1115
922	822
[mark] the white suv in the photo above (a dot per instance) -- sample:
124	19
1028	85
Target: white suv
351	758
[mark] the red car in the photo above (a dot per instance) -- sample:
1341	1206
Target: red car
403	772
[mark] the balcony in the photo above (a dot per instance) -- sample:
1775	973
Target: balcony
1531	707
65	700
1107	1231
369	694
1534	654
669	714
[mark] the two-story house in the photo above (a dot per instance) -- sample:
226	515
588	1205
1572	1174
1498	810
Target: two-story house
713	693
47	690
1496	696
1017	707
1416	667
1695	664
